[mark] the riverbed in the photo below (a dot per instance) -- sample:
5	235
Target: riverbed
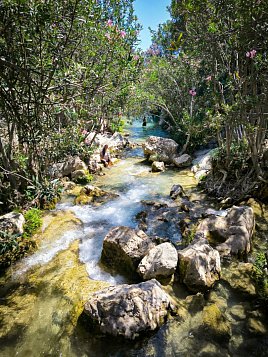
42	296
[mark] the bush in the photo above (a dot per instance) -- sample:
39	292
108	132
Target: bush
33	221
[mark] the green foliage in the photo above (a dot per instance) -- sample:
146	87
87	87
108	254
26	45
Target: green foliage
8	242
260	275
33	221
44	194
64	67
239	154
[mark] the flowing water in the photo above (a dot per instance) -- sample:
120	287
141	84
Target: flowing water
43	295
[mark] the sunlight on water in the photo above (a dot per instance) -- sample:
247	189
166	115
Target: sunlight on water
47	251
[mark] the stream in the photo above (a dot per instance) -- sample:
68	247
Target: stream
42	296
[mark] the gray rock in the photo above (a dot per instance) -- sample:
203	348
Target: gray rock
233	232
12	223
124	248
158	166
66	168
182	161
78	174
160	149
73	164
128	310
176	191
161	261
199	265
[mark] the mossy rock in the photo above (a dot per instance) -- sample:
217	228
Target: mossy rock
92	194
215	323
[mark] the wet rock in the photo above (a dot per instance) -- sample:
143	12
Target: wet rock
160	262
158	166
160	149
176	191
154	204
239	276
195	303
234	231
238	312
128	310
94	194
184	160
256	326
199	265
124	248
215	323
12	223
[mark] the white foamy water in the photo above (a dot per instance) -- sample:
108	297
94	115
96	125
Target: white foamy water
48	250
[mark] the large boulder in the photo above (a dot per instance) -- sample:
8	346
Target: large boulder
73	164
199	265
12	223
124	248
160	262
128	310
160	149
115	141
233	232
182	161
66	168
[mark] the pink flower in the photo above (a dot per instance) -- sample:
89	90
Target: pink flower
123	34
192	92
84	132
136	57
251	54
107	35
109	23
208	78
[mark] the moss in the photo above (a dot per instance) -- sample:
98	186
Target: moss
83	199
215	323
260	276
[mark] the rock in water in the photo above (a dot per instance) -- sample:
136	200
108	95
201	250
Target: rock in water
158	166
160	149
199	265
176	191
124	248
128	310
161	261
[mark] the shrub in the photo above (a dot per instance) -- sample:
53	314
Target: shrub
33	221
